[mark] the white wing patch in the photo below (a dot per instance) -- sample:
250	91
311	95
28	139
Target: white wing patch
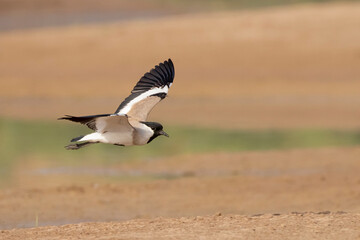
141	97
148	91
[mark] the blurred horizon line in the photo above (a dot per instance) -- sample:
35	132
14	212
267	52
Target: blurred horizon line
22	15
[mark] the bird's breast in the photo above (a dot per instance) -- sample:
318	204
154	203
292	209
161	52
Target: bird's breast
142	135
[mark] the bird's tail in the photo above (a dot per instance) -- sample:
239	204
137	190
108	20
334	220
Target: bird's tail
76	146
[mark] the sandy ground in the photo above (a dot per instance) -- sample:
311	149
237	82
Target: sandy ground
189	186
279	67
323	225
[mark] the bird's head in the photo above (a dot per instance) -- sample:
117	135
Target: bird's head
157	128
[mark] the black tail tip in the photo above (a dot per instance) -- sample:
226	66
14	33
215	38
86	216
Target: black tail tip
66	117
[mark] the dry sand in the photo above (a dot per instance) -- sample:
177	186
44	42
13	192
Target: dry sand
199	185
323	225
280	67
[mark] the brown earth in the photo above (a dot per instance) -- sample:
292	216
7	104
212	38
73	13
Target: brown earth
322	225
280	67
189	186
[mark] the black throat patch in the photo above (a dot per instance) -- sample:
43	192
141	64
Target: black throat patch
153	137
156	127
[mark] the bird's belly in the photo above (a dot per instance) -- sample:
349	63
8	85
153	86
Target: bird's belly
125	139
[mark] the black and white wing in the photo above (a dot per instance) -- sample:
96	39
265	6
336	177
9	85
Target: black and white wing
151	89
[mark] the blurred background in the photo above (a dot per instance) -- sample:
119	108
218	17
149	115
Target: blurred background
263	115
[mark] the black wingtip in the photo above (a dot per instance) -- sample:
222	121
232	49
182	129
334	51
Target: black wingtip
172	68
170	62
161	75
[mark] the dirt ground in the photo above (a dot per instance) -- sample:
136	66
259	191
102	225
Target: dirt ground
323	225
274	68
240	183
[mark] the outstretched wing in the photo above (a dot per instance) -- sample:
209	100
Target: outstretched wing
103	123
151	89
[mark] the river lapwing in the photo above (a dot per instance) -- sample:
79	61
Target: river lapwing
128	125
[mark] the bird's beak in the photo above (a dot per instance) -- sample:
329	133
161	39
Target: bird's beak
163	133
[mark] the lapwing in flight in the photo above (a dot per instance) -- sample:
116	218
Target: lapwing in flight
128	125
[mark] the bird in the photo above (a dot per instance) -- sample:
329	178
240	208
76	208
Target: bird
128	126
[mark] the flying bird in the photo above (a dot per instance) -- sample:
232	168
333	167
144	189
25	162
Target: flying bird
128	125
